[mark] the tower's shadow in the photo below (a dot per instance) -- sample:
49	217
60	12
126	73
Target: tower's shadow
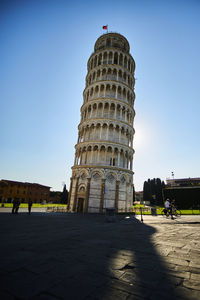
125	253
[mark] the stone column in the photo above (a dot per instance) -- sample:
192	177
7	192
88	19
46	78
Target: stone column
92	155
98	154
105	156
113	150
118	158
109	111
115	113
80	163
87	195
101	128
107	132
86	156
120	132
117	195
70	192
75	196
102	195
125	115
120	114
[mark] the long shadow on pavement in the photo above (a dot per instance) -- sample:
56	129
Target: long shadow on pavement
70	256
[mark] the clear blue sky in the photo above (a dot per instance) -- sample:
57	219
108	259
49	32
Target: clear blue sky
44	48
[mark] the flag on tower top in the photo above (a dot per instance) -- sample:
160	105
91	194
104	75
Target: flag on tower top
105	27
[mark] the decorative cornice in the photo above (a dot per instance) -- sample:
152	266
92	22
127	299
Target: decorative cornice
106	120
106	99
117	82
108	143
103	168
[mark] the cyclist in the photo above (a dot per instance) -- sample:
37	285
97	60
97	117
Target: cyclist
171	208
167	207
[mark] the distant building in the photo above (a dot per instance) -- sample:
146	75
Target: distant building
10	190
185	191
55	197
139	196
183	182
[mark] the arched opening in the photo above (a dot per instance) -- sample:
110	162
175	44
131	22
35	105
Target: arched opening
95	155
96	91
98	128
104	74
93	76
113	91
109	156
94	110
109	74
98	74
118	111
115	157
110	57
100	110
106	109
119	92
112	110
116	137
99	59
124	94
111	132
101	94
120	75
105	58
108	42
125	62
80	206
124	77
95	61
114	74
89	154
102	155
120	59
104	132
107	90
115	58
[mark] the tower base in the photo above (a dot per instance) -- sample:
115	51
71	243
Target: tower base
94	189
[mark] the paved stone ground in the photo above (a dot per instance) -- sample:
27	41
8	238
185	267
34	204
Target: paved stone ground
51	256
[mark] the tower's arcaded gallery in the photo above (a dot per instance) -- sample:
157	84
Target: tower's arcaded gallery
102	175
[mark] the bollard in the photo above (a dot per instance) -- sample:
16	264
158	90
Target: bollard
141	214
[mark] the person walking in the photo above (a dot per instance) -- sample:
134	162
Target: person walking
30	203
167	207
17	206
14	206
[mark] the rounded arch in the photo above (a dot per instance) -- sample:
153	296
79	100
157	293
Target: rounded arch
97	171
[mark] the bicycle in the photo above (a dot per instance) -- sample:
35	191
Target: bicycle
175	212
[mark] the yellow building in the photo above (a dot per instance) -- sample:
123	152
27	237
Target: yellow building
10	190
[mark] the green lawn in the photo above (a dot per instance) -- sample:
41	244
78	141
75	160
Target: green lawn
136	209
9	205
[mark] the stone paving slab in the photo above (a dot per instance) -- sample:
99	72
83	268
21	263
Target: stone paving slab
70	256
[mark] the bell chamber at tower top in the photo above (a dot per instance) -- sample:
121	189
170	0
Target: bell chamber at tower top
112	40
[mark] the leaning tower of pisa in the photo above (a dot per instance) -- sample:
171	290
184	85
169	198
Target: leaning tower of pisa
102	175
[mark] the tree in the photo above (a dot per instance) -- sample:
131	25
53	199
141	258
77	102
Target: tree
64	196
147	191
152	191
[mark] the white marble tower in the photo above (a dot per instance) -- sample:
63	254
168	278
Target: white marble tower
102	175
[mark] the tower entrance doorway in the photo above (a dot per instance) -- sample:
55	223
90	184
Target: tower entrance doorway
80	205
